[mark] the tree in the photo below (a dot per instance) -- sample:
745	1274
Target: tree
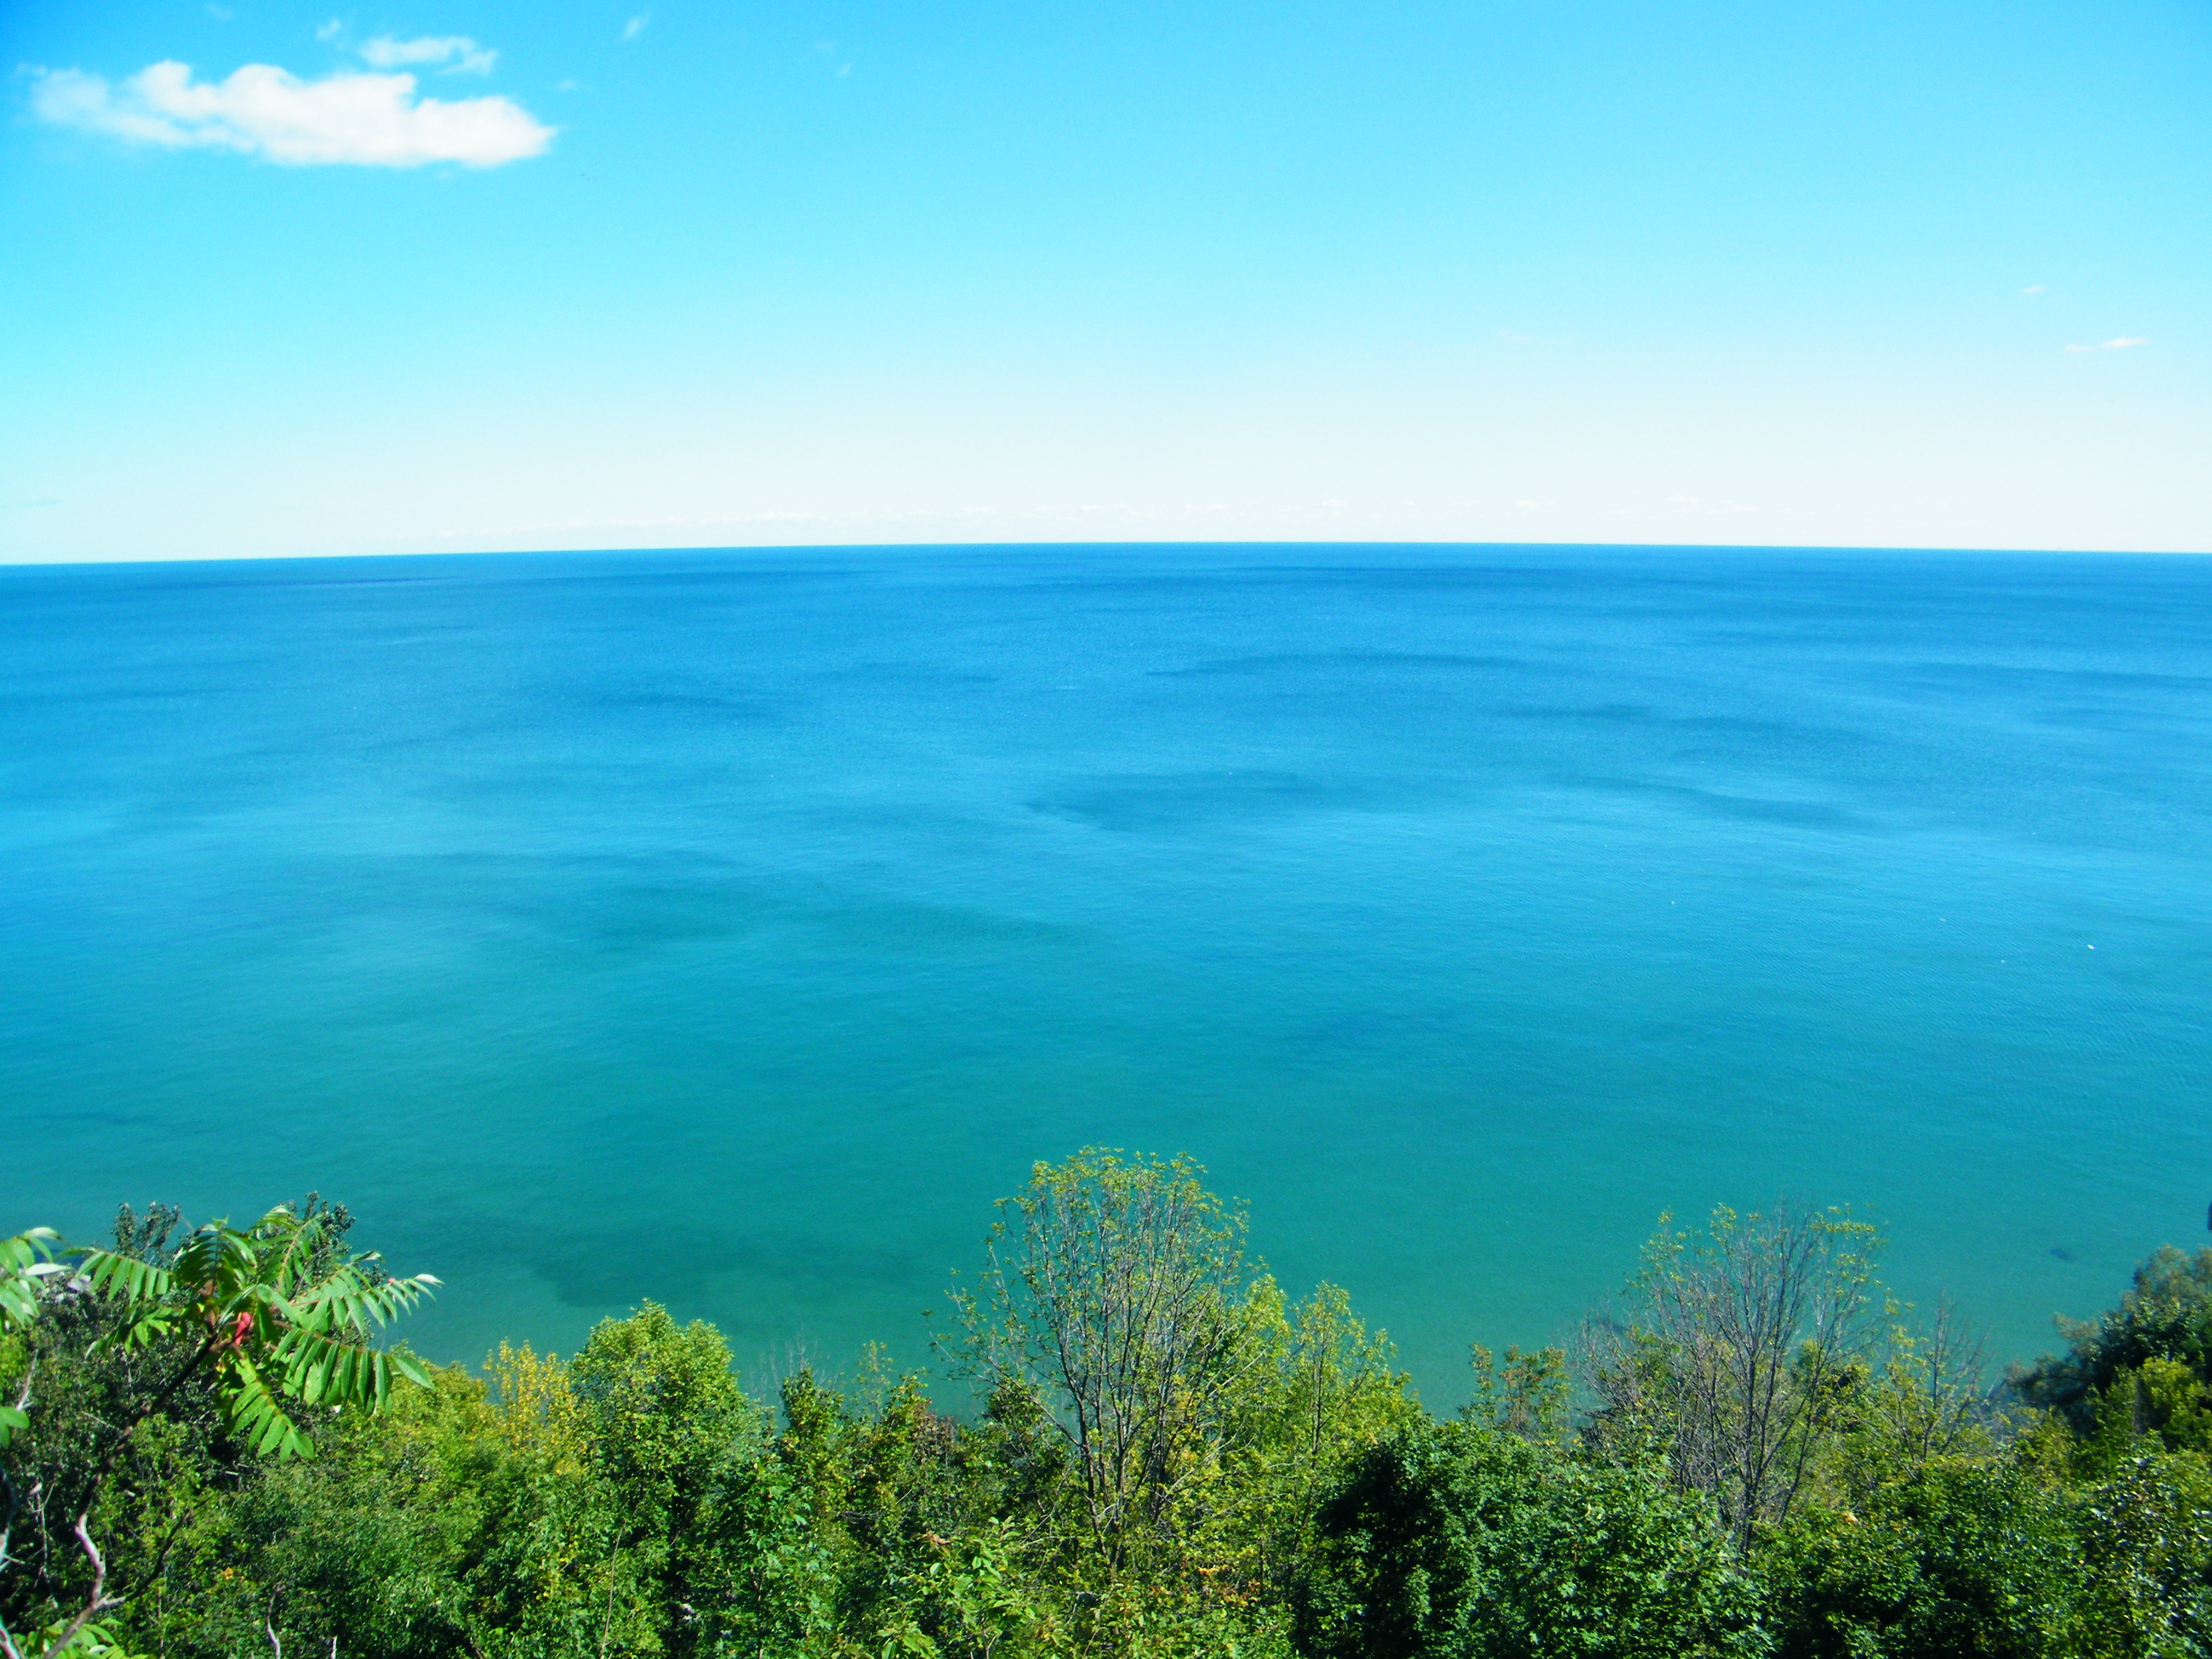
1113	1297
678	1444
1528	1396
2165	1314
1740	1348
279	1310
1923	1401
385	1539
1956	1559
1462	1542
1324	1392
279	1303
2146	1533
641	1510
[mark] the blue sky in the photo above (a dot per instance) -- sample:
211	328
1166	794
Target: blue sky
681	274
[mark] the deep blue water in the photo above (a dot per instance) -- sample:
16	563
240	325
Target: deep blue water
731	928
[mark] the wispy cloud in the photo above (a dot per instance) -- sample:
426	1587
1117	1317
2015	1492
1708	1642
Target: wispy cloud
2120	344
635	26
332	30
459	54
2033	288
357	120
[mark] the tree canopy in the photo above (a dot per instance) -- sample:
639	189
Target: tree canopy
1147	1449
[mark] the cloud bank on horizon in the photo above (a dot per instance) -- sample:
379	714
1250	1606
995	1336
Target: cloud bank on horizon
348	119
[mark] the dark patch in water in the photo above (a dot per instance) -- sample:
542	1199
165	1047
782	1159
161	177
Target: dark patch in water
1604	711
1191	798
692	702
904	673
1264	666
1757	809
888	924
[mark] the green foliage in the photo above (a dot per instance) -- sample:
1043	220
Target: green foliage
2146	1533
1466	1541
2160	1401
1923	1402
25	1261
2166	1314
976	1598
374	1542
1954	1560
68	1469
1165	1457
672	1439
1740	1348
1527	1396
70	1639
1113	1297
228	1321
278	1301
1160	1426
1323	1392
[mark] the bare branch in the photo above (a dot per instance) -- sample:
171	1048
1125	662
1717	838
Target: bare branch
1737	1346
96	1603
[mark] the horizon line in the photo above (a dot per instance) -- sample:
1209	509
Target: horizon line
1096	545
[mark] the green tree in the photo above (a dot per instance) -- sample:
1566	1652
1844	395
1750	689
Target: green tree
1463	1542
379	1541
246	1319
2146	1533
1739	1350
1528	1396
1324	1392
2160	1405
1956	1559
668	1427
1923	1401
2165	1314
1115	1298
1159	1427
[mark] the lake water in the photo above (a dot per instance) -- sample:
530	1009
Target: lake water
731	928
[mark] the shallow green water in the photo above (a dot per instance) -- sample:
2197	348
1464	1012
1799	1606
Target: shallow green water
731	928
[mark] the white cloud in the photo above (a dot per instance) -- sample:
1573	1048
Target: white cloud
332	30
2033	288
2120	344
456	52
635	26
359	120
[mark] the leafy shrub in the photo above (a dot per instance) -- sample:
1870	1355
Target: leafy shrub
1453	1542
2166	1314
1955	1560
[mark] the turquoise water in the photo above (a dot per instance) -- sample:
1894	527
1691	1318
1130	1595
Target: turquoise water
731	928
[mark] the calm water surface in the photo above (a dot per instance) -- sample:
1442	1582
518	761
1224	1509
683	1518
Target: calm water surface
731	928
